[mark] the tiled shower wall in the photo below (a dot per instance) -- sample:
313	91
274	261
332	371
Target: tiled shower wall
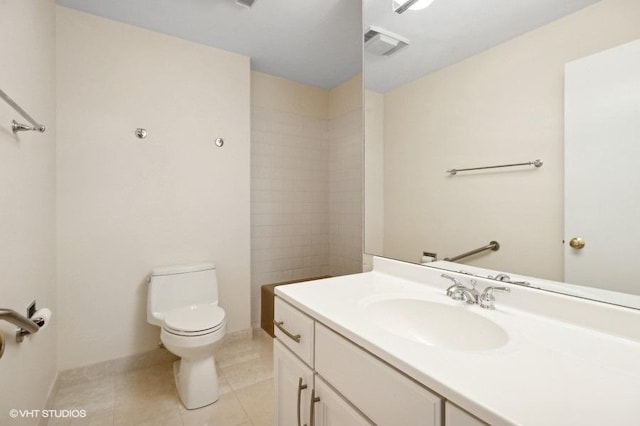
345	193
306	182
289	199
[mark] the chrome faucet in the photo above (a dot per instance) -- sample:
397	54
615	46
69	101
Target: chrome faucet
470	295
458	291
456	283
487	300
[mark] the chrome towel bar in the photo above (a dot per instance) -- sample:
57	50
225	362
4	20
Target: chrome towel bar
535	163
493	245
19	127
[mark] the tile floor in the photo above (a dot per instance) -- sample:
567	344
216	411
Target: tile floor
148	396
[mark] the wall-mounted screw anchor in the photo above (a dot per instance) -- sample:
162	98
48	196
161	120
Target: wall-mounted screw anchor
141	133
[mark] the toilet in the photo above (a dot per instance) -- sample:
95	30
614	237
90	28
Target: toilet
183	300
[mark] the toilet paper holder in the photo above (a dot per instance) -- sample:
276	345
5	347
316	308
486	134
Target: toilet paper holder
26	326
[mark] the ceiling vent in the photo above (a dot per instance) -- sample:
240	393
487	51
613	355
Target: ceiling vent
381	42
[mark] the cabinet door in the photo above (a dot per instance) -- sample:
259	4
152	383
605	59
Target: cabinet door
330	409
455	416
385	395
293	384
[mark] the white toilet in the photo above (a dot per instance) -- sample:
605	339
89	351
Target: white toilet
183	300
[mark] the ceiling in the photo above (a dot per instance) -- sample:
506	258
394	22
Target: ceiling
318	42
449	31
315	42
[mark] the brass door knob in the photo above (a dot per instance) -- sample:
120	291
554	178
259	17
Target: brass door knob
577	243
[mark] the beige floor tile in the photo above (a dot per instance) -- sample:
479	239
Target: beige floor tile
148	396
160	375
102	418
93	396
132	416
248	373
223	385
148	389
226	411
237	351
258	401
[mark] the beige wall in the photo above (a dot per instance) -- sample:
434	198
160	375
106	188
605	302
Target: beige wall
279	94
345	178
502	106
345	98
126	205
27	194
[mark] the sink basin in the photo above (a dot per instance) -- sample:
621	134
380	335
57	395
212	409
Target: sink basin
436	324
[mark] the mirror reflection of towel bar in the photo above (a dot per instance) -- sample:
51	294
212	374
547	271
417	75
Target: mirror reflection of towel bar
536	163
493	245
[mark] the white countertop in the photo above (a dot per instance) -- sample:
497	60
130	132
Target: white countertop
551	372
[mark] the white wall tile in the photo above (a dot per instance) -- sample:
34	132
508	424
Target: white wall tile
289	199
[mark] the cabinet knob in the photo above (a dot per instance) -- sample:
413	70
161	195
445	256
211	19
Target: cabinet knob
577	243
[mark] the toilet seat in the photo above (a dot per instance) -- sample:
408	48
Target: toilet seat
195	320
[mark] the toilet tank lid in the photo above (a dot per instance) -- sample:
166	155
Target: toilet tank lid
181	269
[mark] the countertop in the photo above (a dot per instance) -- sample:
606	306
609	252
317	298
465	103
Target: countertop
551	372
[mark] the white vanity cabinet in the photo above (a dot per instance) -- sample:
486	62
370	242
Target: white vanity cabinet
302	398
293	385
385	395
455	416
294	329
330	409
301	395
323	379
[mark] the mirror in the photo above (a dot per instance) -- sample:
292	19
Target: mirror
465	84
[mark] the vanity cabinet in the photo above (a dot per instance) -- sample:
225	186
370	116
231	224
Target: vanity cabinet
385	395
295	330
293	384
326	379
333	410
300	393
455	416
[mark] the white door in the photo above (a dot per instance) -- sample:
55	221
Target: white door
293	384
602	168
330	409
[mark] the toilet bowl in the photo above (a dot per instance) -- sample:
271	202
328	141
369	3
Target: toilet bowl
190	332
183	301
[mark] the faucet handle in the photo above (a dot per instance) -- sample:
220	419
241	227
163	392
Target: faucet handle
487	299
456	283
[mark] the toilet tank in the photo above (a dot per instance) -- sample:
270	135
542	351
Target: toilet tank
173	287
